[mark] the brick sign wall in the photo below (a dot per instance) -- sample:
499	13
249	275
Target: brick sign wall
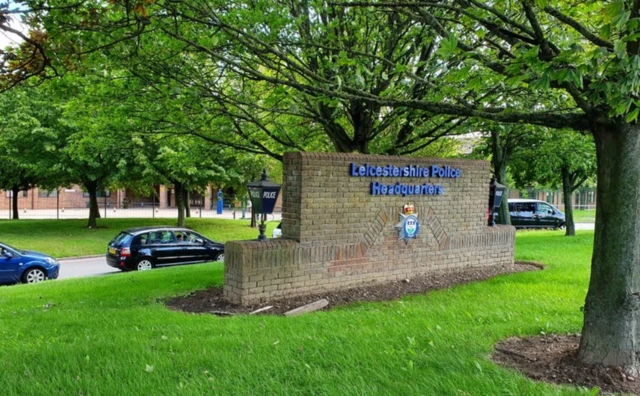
340	213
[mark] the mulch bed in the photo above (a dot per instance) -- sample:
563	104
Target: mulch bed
211	301
552	358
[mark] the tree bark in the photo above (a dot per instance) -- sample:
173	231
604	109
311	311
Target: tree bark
180	204
500	161
94	211
14	202
611	330
187	203
254	219
567	190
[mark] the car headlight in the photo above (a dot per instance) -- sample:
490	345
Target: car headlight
50	260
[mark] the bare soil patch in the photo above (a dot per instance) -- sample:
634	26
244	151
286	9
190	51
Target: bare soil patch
553	358
211	301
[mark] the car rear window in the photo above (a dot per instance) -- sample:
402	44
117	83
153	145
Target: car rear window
123	239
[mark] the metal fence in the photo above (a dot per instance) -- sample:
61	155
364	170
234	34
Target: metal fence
144	210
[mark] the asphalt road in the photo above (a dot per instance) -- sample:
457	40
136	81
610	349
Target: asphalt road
76	268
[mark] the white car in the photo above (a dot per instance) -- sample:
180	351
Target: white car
277	232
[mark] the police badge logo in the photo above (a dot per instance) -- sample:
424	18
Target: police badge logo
409	226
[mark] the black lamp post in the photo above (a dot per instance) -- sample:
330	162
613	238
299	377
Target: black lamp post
496	192
263	194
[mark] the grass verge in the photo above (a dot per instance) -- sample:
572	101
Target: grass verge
112	336
584	216
72	238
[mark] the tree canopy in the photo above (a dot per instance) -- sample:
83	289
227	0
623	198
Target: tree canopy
268	76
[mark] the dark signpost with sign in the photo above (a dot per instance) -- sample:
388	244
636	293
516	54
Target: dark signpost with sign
263	194
496	191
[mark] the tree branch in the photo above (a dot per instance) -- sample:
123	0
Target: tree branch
578	27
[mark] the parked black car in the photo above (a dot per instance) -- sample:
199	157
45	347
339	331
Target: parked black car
531	213
144	248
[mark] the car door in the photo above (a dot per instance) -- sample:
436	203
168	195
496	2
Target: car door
9	261
195	249
527	215
522	214
164	247
139	246
514	213
546	216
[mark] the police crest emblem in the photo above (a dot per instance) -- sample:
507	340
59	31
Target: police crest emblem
409	226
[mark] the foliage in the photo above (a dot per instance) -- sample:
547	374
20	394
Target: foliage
541	164
30	137
352	67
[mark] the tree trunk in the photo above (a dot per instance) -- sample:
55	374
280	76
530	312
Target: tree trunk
254	219
567	190
94	211
187	202
503	211
180	204
14	202
500	161
611	330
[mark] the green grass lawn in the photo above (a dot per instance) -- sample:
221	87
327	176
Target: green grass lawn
584	216
112	336
71	238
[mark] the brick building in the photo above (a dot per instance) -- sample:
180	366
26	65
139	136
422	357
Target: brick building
75	198
71	198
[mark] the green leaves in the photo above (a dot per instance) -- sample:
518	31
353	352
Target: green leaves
448	46
632	116
541	3
616	14
30	137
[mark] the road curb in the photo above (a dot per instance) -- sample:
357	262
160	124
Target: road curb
80	257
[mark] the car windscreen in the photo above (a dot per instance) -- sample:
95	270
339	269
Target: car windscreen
5	246
122	239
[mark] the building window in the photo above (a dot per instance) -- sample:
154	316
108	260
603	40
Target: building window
99	194
47	194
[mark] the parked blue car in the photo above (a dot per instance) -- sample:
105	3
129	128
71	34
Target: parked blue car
26	266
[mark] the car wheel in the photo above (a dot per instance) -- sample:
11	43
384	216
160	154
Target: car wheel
34	275
144	265
219	257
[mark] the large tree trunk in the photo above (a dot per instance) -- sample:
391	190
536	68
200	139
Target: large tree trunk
180	204
567	190
500	161
611	330
187	202
94	210
14	202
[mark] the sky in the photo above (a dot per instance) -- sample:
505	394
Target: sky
11	39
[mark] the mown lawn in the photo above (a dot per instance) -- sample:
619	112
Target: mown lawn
112	336
71	238
584	216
